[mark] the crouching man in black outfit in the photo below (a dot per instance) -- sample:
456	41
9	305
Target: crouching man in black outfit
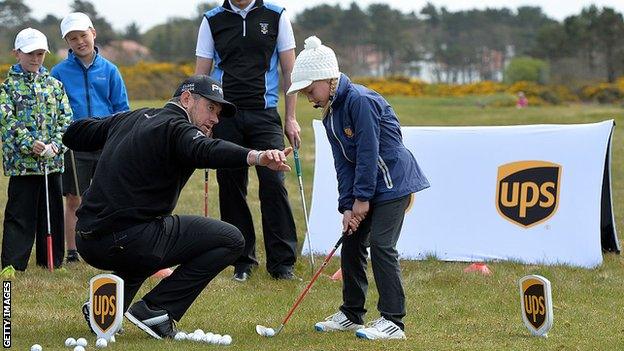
125	223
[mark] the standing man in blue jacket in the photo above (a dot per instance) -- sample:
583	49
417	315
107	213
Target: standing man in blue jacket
245	40
95	89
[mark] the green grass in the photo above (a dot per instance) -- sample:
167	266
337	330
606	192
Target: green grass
447	309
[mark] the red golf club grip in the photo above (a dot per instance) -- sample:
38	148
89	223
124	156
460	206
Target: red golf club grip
50	257
305	291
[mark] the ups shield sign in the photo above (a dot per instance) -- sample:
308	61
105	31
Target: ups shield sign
527	192
536	303
106	304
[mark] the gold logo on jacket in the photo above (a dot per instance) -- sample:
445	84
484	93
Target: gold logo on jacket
527	192
348	132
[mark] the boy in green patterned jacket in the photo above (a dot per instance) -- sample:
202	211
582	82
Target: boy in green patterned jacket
34	114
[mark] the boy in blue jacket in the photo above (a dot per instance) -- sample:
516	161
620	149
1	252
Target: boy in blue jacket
377	176
95	89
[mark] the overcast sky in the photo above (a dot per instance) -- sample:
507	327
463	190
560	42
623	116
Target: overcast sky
148	13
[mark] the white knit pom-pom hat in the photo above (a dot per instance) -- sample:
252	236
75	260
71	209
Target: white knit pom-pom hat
315	62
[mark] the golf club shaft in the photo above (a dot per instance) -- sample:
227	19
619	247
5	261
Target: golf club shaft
73	159
49	236
303	203
206	175
305	291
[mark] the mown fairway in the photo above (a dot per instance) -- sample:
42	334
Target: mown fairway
447	309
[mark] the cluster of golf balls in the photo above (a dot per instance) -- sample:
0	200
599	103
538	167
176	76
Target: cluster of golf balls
81	343
209	338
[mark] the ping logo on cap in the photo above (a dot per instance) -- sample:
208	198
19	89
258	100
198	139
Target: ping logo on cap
536	304
106	298
527	192
188	86
217	88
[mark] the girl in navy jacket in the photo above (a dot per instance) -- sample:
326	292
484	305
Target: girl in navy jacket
377	176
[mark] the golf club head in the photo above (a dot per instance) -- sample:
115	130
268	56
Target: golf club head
265	331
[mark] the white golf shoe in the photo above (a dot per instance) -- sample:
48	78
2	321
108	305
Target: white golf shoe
380	329
336	322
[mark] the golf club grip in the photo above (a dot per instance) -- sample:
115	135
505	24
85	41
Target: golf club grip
318	272
297	162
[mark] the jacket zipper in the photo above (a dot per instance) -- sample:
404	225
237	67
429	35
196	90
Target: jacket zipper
385	172
331	122
86	82
244	27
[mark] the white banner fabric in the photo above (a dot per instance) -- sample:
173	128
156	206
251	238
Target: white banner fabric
546	209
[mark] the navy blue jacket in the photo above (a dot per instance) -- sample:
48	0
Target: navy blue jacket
97	91
371	161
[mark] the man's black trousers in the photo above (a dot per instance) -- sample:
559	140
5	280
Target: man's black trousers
260	130
202	247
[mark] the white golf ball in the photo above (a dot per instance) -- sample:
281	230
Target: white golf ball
199	331
36	347
79	348
190	336
198	337
225	340
216	339
180	336
70	342
81	342
101	343
208	338
112	339
264	331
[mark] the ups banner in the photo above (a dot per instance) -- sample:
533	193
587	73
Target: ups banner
106	301
537	194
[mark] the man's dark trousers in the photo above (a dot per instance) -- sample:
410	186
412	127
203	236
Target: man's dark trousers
260	130
202	247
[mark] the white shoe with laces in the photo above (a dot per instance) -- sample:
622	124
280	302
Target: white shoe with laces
336	322
380	329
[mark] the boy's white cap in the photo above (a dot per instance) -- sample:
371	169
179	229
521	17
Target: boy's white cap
75	21
30	39
315	62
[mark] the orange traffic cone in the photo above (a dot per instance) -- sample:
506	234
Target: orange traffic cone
163	273
478	267
337	275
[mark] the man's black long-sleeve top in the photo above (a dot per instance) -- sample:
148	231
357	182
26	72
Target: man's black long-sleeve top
148	155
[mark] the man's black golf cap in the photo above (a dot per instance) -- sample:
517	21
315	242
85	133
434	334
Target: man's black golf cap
210	89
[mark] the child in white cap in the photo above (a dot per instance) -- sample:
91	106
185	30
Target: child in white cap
95	89
377	176
34	114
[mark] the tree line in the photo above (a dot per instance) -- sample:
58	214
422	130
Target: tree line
460	46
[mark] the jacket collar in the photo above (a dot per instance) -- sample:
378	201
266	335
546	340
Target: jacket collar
226	5
177	108
73	57
17	69
341	91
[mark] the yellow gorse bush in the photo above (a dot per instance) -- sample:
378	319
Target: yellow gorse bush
158	80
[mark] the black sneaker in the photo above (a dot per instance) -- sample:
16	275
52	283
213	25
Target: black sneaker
154	322
288	275
241	276
72	256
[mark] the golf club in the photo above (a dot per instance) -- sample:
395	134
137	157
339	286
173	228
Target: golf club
206	174
303	204
49	236
270	332
73	159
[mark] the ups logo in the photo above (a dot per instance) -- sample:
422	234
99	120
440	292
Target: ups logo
527	192
536	303
106	304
